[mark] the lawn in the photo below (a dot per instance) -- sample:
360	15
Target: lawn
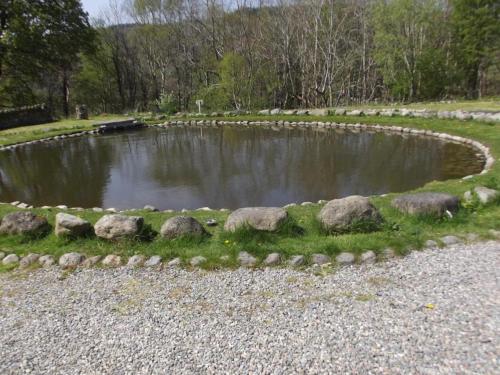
400	232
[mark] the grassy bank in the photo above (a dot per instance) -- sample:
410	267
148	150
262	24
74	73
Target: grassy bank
400	232
51	129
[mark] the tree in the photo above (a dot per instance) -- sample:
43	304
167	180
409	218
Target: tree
476	27
44	37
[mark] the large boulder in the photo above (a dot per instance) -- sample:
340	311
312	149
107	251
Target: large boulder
179	226
342	215
259	218
71	226
116	227
24	223
428	203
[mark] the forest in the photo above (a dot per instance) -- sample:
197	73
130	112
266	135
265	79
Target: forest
163	55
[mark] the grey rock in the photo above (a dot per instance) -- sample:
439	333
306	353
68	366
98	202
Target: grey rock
112	261
136	261
368	257
273	259
320	259
297	260
197	261
345	259
154	261
23	205
259	218
494	233
176	262
150	208
355	112
46	261
9	259
71	226
450	240
318	112
427	203
62	207
91	261
340	112
97	209
70	260
275	111
23	223
339	215
431	244
116	227
264	112
388	253
486	195
182	226
28	260
472	237
246	259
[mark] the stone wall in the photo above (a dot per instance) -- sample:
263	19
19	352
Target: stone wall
30	115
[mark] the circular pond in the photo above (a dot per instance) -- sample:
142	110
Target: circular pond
225	167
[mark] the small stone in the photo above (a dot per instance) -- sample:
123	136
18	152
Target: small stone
320	259
28	260
62	207
273	259
154	261
494	233
46	261
472	237
150	208
136	261
23	205
211	222
450	240
345	259
97	209
388	253
297	260
10	259
112	261
176	262
431	244
91	261
197	261
368	257
70	260
246	259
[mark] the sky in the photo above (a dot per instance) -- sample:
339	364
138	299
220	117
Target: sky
93	6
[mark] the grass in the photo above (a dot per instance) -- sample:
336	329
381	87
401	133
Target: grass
33	132
301	234
487	104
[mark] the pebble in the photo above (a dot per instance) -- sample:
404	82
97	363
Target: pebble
154	261
273	259
28	260
91	261
176	262
136	261
430	312
46	261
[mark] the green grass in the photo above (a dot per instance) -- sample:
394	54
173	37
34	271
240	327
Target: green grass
33	132
488	104
301	234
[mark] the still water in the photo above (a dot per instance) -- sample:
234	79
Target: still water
225	167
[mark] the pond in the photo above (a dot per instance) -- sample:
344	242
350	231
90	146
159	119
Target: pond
225	167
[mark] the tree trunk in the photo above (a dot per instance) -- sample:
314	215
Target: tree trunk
65	93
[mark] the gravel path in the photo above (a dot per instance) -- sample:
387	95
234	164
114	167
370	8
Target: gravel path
432	312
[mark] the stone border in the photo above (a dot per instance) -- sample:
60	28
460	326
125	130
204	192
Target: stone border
484	150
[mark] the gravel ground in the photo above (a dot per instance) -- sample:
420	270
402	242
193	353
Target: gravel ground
432	312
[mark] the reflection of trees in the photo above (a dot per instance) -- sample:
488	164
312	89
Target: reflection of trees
190	167
73	171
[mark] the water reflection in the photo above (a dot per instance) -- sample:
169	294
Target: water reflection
190	167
